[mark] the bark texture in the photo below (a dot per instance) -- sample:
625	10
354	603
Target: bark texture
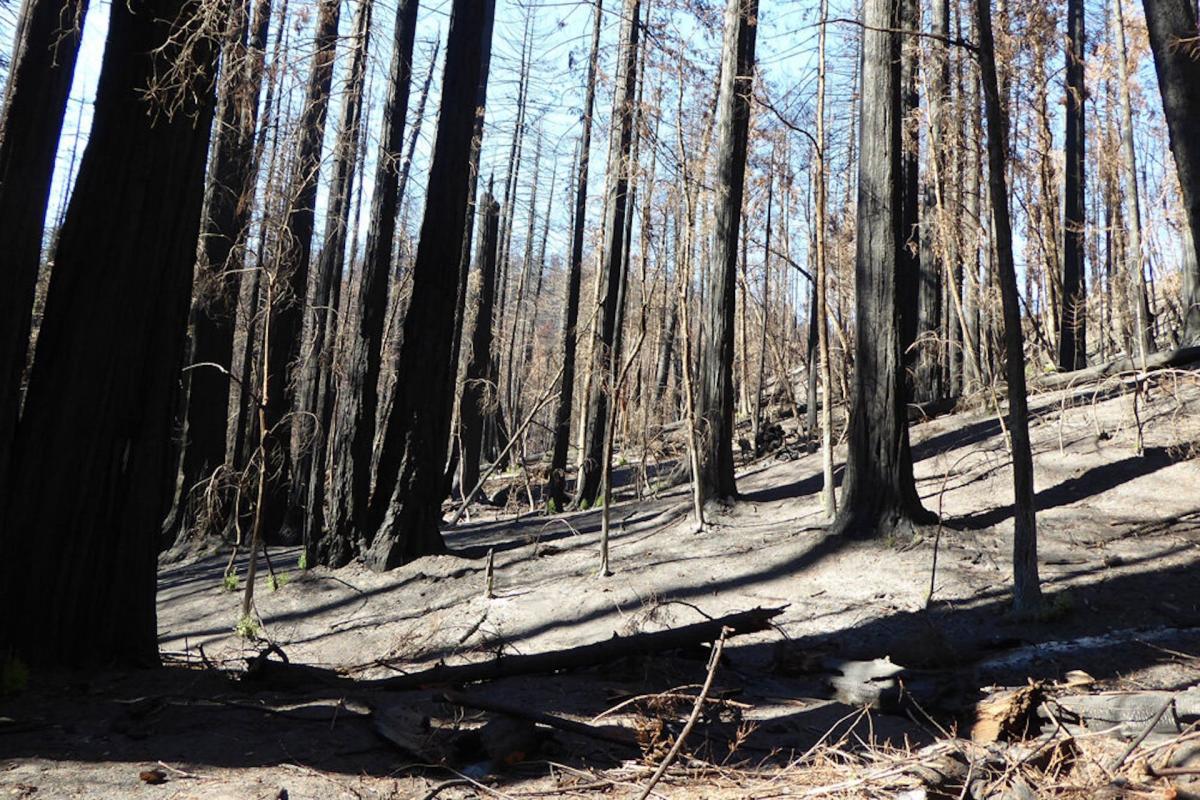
733	126
358	402
88	496
35	100
879	495
409	491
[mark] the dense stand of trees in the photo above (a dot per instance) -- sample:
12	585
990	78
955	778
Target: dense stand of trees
209	334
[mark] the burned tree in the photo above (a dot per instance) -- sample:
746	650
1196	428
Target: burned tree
35	100
556	488
879	494
408	494
611	273
1026	589
478	394
228	202
358	403
1072	326
1173	31
733	125
87	495
288	279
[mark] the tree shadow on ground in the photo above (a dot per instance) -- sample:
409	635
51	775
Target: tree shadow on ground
1097	480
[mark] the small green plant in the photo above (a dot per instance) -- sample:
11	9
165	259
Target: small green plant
302	561
551	506
14	675
277	582
247	628
584	505
230	582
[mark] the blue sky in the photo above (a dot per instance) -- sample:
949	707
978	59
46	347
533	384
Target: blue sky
561	33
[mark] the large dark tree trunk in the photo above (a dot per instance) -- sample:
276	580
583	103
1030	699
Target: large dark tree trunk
879	495
358	402
1026	590
288	277
464	260
228	202
733	126
87	495
1173	32
315	408
478	393
409	491
620	146
35	99
556	488
1072	327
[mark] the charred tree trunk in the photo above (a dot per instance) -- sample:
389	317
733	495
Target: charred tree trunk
358	403
464	261
619	169
35	100
288	278
1026	589
879	495
87	496
228	202
313	407
556	487
1143	335
408	494
1173	31
1072	328
478	394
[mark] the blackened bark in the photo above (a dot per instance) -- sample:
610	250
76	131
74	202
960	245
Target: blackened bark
464	260
733	126
87	496
1173	30
313	402
619	169
879	495
556	487
1072	327
409	490
358	402
911	277
290	273
1026	590
35	100
228	202
478	392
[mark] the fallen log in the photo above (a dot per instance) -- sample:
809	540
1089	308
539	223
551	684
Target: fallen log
613	734
1161	360
1128	713
641	644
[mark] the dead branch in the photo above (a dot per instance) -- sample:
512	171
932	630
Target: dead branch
603	652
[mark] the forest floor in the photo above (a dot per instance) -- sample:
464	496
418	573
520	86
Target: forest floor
1119	537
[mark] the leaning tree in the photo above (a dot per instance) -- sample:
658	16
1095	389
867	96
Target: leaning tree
39	82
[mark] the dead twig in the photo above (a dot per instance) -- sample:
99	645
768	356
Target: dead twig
713	661
1141	737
